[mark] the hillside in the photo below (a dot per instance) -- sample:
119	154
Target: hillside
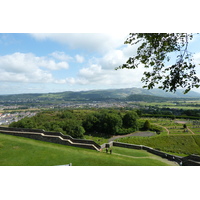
99	95
17	151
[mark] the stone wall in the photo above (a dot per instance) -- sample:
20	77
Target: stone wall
194	157
131	146
59	138
192	160
54	137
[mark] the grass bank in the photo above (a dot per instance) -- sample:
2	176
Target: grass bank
18	151
181	144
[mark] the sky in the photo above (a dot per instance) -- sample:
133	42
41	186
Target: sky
76	46
56	62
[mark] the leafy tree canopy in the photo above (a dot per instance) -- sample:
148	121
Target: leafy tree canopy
130	119
154	52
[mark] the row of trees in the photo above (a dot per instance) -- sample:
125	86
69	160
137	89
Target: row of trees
111	123
155	111
103	122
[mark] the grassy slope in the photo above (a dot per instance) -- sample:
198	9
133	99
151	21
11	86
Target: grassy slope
185	144
17	151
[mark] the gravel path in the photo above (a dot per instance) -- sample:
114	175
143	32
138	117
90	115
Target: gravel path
142	134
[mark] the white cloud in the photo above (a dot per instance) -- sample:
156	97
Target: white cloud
61	55
100	72
98	77
90	71
93	42
20	67
79	59
51	64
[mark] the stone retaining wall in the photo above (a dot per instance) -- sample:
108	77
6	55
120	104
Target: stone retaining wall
192	160
59	138
54	137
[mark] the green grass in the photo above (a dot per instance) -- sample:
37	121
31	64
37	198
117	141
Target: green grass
18	151
173	126
138	155
180	105
182	144
131	152
98	140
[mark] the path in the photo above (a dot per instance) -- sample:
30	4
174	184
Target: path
190	130
163	127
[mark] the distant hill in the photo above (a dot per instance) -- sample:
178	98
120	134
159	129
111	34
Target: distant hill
133	94
124	93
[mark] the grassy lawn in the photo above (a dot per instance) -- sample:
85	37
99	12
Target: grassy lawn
98	140
130	152
18	151
138	154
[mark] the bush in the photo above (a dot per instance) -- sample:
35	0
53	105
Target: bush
146	125
124	131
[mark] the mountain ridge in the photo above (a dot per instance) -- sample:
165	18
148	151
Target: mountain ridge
104	94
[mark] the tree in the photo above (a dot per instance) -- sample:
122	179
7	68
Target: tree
153	52
111	123
130	120
73	128
106	122
147	125
90	123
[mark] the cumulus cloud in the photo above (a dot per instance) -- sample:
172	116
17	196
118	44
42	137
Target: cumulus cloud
21	67
97	76
93	42
100	71
115	57
61	55
79	59
51	64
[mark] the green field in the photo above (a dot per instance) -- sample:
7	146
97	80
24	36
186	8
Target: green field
176	126
188	104
18	151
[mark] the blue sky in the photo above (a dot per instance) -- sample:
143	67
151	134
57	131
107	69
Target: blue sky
45	62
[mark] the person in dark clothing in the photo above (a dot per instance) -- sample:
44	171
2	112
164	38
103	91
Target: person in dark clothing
110	151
